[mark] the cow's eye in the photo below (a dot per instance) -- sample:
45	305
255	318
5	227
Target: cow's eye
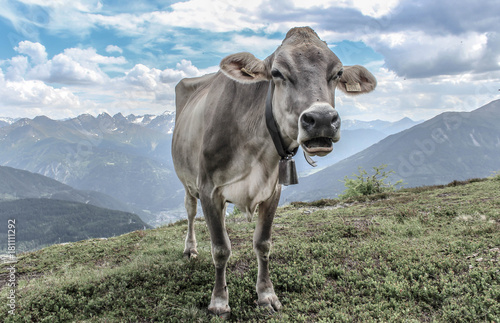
277	74
337	76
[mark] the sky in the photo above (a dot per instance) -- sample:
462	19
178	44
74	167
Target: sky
63	58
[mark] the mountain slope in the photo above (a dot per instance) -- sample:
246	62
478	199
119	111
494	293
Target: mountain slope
20	184
428	254
355	136
352	142
42	222
451	146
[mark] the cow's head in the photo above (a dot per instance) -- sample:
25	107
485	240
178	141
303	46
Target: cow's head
305	73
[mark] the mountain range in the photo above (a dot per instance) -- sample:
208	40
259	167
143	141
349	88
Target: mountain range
6	121
450	146
125	162
127	158
385	127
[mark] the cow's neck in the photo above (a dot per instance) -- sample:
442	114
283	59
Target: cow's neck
272	127
287	171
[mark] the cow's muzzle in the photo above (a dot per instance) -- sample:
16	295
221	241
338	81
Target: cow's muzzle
319	127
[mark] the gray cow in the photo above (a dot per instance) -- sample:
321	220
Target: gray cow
224	152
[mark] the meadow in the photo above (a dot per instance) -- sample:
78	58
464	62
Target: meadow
428	254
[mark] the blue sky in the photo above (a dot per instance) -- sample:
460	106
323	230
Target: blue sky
68	57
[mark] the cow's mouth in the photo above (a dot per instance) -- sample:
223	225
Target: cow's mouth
320	146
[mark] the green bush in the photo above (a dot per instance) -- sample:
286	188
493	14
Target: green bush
364	184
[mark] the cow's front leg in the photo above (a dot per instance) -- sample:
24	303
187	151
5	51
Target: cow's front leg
213	208
262	246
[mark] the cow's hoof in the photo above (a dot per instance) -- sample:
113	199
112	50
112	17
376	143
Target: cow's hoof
265	309
191	254
221	312
270	303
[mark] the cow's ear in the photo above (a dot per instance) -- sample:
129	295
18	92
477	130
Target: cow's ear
245	68
357	80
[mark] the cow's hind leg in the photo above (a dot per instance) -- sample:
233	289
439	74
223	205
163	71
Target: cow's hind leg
190	245
213	209
262	246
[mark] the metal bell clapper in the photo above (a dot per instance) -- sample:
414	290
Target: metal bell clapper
287	172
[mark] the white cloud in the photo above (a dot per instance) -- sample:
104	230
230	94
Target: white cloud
259	46
396	97
153	84
89	56
73	66
33	97
213	16
183	69
17	68
448	53
375	8
394	28
216	16
73	82
35	51
416	54
372	8
143	77
113	49
65	70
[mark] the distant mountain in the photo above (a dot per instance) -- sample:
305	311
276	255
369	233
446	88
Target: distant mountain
386	127
163	123
18	184
42	222
127	158
451	146
351	142
6	121
355	136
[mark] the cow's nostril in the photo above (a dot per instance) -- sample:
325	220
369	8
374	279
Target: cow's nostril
308	120
335	118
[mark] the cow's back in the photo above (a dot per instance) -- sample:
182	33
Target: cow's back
187	89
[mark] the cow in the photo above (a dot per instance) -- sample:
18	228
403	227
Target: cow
224	150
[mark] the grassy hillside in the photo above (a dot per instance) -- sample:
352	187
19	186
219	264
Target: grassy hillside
419	255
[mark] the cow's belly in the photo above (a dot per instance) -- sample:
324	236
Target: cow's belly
251	189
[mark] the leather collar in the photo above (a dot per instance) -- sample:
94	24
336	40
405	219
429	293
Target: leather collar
272	127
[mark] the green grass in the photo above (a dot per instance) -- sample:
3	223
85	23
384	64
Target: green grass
415	255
